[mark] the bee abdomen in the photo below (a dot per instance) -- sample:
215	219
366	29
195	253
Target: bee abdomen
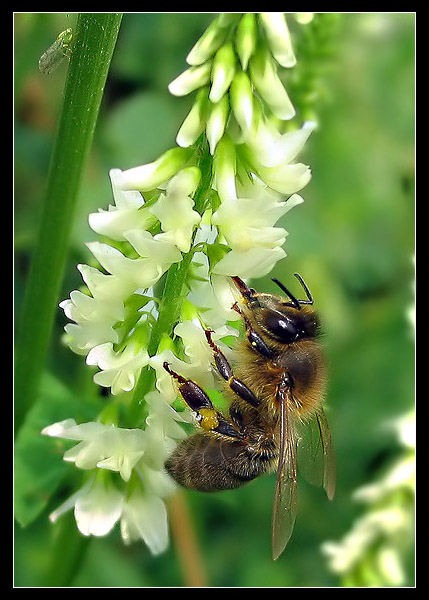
207	463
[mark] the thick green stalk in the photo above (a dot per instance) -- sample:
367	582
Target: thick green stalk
95	39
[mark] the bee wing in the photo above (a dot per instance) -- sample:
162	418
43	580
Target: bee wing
316	456
329	464
286	495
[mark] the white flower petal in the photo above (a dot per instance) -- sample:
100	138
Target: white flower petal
248	264
69	430
122	465
272	149
184	183
241	96
154	248
286	179
85	455
139	272
246	38
248	222
124	199
85	336
178	220
113	223
104	446
107	289
97	510
145	517
119	370
69	503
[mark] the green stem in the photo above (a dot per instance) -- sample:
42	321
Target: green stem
95	40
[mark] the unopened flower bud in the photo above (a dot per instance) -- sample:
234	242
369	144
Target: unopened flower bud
207	45
222	72
184	183
216	122
278	37
227	19
150	176
268	84
245	41
190	80
304	17
242	100
194	124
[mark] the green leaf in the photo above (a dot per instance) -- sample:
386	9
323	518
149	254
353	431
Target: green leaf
39	467
215	252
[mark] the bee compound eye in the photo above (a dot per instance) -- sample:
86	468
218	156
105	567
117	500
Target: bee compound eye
281	327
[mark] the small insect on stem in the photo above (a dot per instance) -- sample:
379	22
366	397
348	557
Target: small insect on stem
55	54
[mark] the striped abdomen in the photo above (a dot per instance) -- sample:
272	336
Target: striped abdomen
207	462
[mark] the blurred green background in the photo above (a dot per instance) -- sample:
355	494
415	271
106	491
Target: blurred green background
352	240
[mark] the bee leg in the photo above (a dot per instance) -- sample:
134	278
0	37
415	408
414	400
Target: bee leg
195	397
254	338
258	343
225	371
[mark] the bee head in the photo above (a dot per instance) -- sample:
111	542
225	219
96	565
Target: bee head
282	320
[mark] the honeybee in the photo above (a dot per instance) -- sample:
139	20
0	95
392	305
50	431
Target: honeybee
276	388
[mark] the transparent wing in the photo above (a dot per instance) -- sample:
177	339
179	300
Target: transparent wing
316	458
286	495
52	58
329	464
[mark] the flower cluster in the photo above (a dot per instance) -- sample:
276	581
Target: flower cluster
374	552
205	210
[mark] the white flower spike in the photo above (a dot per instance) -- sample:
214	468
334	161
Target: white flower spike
178	228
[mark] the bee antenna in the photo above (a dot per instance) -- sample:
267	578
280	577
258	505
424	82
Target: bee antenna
295	302
306	290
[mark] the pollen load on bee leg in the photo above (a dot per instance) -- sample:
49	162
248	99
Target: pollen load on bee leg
209	419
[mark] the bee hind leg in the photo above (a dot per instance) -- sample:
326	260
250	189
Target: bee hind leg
196	398
226	372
